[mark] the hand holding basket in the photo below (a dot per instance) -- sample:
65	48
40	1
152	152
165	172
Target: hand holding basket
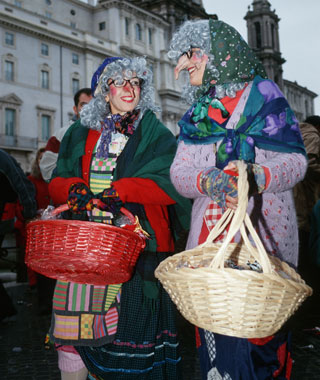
242	303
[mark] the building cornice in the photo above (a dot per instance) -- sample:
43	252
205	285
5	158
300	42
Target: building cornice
170	94
125	50
76	39
136	11
296	86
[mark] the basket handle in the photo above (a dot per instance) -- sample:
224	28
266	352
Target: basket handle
96	202
239	219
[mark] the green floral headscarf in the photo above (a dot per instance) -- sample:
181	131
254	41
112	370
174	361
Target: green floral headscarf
233	58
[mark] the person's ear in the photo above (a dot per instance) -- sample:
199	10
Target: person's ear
107	98
75	110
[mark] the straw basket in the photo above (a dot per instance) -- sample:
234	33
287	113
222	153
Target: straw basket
242	303
83	252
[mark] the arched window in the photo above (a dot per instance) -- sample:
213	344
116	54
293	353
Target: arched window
272	35
127	26
257	27
138	32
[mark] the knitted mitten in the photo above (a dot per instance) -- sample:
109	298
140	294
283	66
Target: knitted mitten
110	199
217	184
256	178
80	198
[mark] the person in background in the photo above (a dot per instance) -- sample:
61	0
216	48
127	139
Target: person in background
236	114
307	192
45	285
50	155
120	153
14	186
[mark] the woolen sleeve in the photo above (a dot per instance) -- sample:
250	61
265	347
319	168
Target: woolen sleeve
286	169
141	190
184	170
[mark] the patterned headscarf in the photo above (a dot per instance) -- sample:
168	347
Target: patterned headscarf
234	59
267	121
234	62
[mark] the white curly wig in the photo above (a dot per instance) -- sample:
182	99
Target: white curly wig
97	109
196	34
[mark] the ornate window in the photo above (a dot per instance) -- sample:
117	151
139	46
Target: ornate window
9	39
75	85
44	79
10	121
9	70
45	122
138	32
75	81
257	27
45	127
127	23
10	107
44	49
75	58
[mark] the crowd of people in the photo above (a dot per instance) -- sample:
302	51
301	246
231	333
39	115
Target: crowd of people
116	150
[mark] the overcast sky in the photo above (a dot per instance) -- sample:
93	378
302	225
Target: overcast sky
299	30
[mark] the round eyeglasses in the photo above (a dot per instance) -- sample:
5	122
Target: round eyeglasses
192	52
121	82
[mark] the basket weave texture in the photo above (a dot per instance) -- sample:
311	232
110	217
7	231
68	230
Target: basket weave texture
241	303
83	252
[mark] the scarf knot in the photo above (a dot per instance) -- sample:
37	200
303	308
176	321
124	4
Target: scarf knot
123	124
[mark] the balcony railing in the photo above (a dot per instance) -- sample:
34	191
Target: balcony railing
19	142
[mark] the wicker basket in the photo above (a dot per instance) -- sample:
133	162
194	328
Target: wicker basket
242	303
83	252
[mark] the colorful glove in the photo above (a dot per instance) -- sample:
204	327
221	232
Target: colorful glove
111	199
256	178
80	198
217	184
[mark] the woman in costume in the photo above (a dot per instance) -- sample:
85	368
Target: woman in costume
236	114
120	153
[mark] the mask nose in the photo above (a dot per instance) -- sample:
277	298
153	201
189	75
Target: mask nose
129	88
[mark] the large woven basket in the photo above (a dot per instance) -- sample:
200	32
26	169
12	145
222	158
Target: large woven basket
83	252
242	303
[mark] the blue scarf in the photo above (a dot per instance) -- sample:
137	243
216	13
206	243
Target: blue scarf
267	122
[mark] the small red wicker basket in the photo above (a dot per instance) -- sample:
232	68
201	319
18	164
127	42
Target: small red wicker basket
81	251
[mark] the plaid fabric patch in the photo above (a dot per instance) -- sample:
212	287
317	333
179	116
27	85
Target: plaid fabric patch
98	298
100	178
112	320
78	297
101	165
66	327
112	292
211	216
99	328
87	326
101	173
60	295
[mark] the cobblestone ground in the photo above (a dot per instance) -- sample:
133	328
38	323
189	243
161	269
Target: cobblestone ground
23	356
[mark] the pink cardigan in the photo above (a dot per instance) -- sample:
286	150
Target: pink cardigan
272	212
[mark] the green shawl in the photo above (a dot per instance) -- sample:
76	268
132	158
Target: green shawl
148	154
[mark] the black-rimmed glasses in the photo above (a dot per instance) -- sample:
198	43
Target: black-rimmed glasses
121	82
193	51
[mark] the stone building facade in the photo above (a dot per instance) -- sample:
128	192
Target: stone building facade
263	37
50	48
